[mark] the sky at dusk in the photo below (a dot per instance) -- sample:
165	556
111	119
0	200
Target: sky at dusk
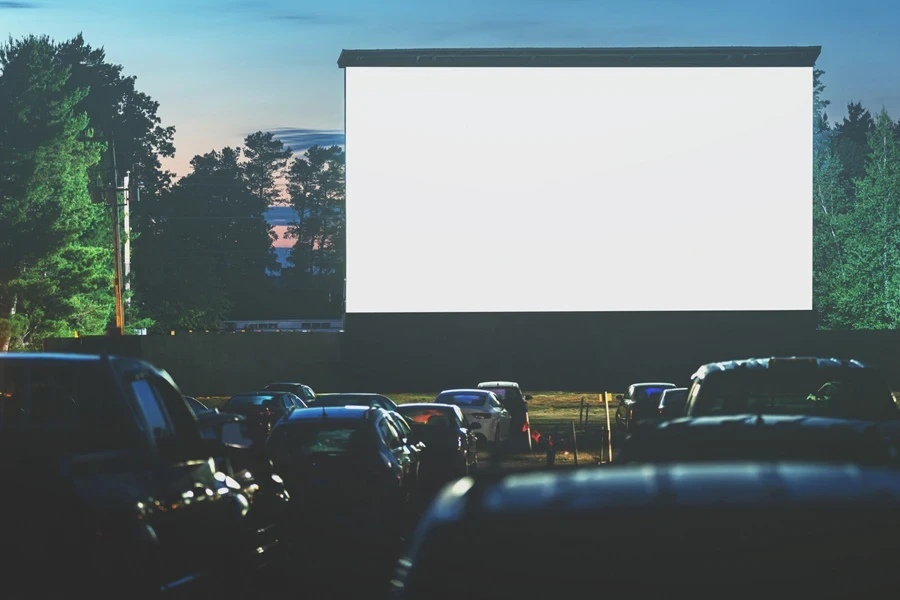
223	69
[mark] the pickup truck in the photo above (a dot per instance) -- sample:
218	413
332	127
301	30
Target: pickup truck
112	487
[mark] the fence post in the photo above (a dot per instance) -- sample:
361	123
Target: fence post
574	444
609	453
587	410
581	415
551	451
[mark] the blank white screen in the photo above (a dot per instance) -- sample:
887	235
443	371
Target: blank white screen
578	189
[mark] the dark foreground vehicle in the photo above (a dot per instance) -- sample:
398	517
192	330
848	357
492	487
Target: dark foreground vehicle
739	530
759	438
450	443
822	387
112	491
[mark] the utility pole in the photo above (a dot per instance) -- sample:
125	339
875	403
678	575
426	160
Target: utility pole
113	200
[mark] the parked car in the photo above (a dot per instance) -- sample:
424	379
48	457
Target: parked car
404	428
304	392
757	530
196	406
344	460
759	438
482	407
512	398
359	399
824	387
263	409
671	403
450	442
112	485
640	403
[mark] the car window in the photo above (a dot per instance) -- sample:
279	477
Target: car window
388	433
297	441
462	399
495	402
308	392
248	400
155	415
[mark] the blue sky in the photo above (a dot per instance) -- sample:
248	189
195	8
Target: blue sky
222	69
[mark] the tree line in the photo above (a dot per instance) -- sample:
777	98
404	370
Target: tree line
203	251
201	246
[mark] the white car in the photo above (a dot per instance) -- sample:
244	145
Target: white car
481	407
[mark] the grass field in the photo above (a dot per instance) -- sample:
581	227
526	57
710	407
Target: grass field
548	411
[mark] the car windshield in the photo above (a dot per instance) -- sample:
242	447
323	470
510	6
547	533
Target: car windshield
462	399
860	394
301	440
249	400
421	415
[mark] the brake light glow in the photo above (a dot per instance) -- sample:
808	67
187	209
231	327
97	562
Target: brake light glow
524	427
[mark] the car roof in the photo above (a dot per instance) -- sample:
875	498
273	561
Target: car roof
342	413
285	383
466	391
652	384
639	487
754	422
498	384
666	391
354	394
754	364
262	393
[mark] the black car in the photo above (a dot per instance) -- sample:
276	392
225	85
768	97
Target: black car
263	409
640	403
671	403
111	486
450	443
759	438
744	530
822	387
343	460
302	391
358	399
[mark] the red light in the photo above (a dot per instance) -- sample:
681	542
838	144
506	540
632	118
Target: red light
524	427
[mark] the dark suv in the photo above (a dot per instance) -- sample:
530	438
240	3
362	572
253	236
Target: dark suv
822	387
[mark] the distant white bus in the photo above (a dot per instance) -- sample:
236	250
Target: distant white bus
285	325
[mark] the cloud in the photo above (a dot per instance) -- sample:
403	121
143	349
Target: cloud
315	19
17	5
300	139
281	216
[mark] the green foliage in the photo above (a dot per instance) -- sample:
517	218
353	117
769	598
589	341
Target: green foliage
49	271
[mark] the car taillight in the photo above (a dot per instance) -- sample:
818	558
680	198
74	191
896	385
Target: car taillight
524	427
482	415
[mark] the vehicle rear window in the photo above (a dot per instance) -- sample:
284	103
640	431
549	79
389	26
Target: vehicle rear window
860	394
462	399
302	440
649	393
344	400
424	415
673	396
249	400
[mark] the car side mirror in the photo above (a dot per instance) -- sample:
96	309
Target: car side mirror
232	435
474	425
620	397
